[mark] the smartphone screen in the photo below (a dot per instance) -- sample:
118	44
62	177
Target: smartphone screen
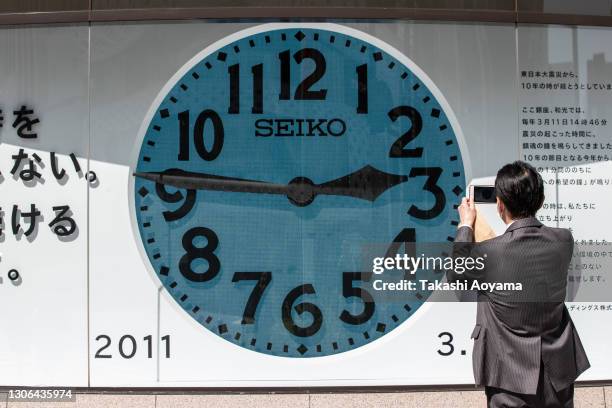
484	194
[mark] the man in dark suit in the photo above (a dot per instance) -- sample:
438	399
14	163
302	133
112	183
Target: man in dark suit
527	352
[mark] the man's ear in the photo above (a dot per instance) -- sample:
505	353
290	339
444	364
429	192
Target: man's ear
500	207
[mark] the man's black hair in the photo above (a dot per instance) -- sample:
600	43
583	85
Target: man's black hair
520	187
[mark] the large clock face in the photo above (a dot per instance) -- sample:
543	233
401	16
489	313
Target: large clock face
270	161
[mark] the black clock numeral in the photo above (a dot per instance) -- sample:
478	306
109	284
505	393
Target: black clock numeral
183	118
234	94
263	280
302	92
285	75
362	88
317	315
207	253
348	290
198	135
257	71
398	147
184	209
433	175
407	237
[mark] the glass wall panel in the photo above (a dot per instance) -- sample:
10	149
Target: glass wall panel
565	95
196	203
44	143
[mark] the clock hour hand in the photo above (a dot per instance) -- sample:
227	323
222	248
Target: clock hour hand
367	183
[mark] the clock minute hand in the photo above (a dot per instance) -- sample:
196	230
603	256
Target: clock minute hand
367	183
201	181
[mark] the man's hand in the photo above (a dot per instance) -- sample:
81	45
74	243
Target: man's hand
467	212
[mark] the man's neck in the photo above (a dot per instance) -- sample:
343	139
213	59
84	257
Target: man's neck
509	221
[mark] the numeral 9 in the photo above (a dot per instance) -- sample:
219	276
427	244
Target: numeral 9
184	209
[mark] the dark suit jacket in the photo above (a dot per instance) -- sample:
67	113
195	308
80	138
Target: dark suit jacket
515	332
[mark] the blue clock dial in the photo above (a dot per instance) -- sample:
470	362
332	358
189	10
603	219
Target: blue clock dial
270	162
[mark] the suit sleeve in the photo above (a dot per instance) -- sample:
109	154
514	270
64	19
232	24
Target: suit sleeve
571	244
464	247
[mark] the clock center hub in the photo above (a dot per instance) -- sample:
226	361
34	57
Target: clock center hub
301	191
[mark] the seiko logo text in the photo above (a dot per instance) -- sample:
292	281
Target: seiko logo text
299	127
